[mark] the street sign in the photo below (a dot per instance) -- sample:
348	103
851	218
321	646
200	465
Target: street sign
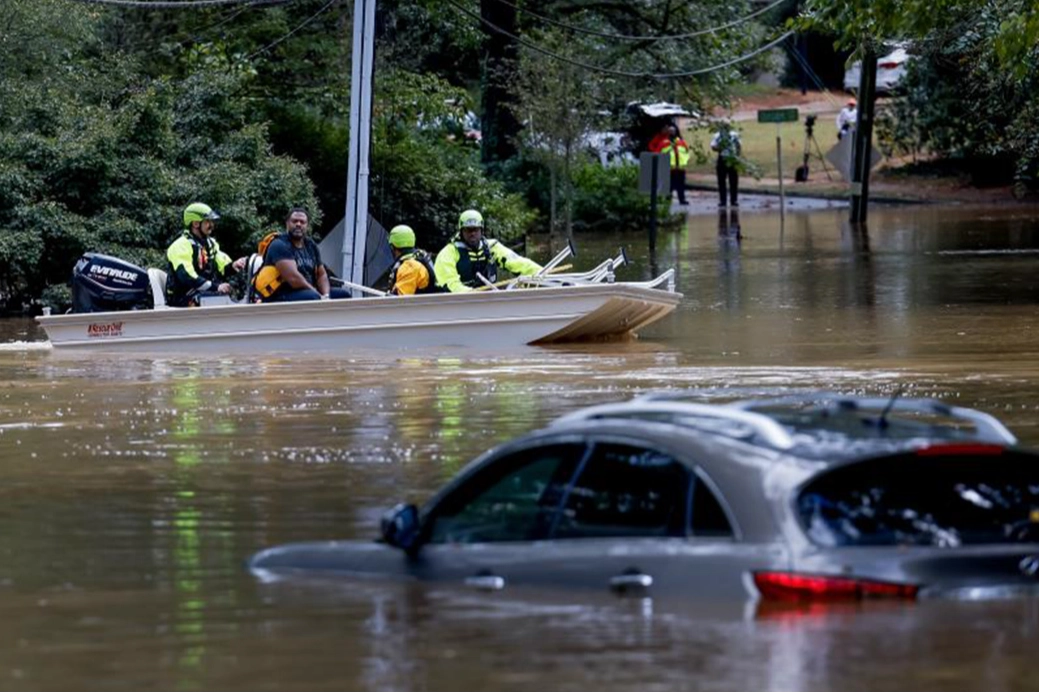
778	115
647	162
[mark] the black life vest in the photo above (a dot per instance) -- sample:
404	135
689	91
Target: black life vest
422	257
471	262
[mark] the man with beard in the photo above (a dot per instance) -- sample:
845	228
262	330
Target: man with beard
197	266
292	269
469	254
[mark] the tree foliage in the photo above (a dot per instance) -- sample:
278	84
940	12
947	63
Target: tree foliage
424	172
971	94
852	22
95	156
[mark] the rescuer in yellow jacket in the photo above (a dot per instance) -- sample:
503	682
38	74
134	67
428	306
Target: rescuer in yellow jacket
197	266
469	254
412	271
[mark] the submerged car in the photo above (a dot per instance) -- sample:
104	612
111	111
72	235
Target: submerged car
891	70
814	497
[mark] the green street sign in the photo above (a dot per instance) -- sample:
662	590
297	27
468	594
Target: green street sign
778	115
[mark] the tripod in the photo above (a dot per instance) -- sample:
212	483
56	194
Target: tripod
801	174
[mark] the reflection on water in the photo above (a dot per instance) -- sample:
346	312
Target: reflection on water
134	487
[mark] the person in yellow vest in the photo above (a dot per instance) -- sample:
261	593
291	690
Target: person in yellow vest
197	266
678	151
412	271
469	253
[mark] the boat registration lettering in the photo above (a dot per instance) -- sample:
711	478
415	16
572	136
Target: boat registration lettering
104	329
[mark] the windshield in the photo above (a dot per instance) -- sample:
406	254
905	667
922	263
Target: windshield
925	499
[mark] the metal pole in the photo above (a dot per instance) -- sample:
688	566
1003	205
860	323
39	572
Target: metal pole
653	209
862	153
355	231
779	163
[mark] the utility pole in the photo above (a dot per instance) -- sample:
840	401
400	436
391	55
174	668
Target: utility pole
355	231
499	54
862	154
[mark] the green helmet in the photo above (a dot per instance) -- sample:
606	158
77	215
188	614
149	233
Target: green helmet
197	211
402	236
470	219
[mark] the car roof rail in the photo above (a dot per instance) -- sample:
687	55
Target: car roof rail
986	427
691	415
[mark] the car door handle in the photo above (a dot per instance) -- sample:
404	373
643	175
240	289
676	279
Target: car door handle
488	582
630	581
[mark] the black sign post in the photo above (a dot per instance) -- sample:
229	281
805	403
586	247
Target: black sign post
654	179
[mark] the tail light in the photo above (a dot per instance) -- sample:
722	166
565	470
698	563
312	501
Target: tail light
888	66
801	587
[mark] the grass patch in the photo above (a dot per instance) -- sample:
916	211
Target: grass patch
759	146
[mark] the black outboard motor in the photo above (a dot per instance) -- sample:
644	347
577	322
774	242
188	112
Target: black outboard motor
103	283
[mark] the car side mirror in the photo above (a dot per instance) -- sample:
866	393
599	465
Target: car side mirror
400	526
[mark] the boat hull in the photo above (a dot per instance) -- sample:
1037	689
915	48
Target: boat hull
479	319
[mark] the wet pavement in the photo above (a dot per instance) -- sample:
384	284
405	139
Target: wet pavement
705	201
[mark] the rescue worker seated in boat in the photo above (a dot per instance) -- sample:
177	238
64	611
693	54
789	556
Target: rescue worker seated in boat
292	269
197	266
412	271
469	254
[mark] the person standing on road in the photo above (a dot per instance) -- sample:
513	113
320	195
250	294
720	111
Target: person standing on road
847	118
726	142
678	153
669	141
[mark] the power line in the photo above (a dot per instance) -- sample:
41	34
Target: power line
620	73
188	37
622	37
305	22
179	4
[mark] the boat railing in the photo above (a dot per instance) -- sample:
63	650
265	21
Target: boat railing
665	280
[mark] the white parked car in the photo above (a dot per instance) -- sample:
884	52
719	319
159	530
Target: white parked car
891	69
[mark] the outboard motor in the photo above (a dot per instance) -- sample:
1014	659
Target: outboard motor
104	283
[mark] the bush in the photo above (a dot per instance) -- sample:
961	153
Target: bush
609	199
112	175
605	198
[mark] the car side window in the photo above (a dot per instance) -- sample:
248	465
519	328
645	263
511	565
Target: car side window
511	499
708	516
625	491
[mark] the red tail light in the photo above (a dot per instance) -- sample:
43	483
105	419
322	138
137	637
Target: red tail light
888	66
801	587
961	449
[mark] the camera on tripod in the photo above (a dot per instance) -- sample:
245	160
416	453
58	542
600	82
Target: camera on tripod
801	174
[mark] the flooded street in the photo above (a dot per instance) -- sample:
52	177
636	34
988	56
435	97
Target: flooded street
134	489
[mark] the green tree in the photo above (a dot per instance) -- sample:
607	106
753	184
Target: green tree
971	93
94	156
424	172
558	108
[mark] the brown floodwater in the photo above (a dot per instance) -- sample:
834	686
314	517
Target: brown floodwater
133	489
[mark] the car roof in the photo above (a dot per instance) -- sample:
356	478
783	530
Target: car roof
824	427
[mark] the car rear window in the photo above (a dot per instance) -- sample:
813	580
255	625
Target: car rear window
947	496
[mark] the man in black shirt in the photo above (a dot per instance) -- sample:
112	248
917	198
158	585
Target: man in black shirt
296	272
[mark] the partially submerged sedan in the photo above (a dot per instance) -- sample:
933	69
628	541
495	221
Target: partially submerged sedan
813	497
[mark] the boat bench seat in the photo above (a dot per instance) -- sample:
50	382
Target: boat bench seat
157	280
